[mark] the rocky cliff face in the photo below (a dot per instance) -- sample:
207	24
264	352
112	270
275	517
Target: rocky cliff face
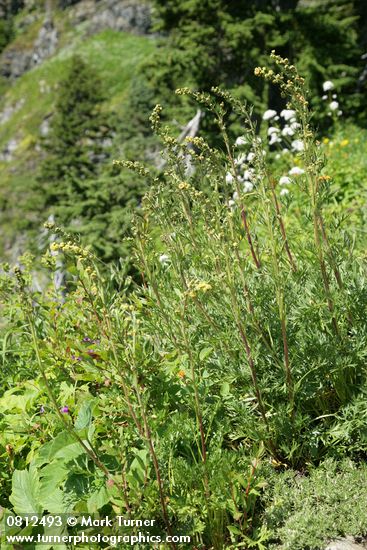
118	15
15	62
94	16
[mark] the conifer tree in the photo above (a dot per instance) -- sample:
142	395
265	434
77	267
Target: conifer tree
75	142
86	195
6	24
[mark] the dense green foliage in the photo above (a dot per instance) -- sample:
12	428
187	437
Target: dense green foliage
216	42
6	32
114	56
79	188
74	145
243	352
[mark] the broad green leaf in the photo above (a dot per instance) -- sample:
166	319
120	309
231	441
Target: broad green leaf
66	391
25	495
138	466
97	500
84	418
54	501
19	398
63	447
234	530
52	475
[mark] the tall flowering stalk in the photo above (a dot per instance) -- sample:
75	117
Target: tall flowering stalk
293	86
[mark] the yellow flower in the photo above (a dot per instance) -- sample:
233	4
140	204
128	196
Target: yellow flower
183	185
197	286
181	374
203	286
344	142
326	140
324	178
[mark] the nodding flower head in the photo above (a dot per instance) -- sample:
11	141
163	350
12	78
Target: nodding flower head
328	85
298	145
64	409
334	105
287	114
296	171
269	114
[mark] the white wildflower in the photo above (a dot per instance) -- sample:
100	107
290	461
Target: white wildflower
328	85
334	96
296	171
334	105
284	191
164	258
285	180
251	156
248	174
248	187
273	130
231	203
241	140
270	113
241	159
287	131
287	114
324	97
295	125
235	196
229	177
274	139
298	145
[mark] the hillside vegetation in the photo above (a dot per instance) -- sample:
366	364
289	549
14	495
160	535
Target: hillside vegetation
30	101
184	340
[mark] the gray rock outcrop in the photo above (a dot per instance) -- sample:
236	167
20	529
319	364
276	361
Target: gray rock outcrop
349	543
132	16
119	15
9	111
15	62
